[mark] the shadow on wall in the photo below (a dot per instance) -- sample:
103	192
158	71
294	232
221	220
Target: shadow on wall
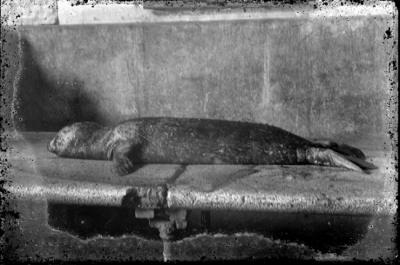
42	104
9	69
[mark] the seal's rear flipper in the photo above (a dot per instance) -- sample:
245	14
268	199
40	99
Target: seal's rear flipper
343	149
361	162
328	157
349	151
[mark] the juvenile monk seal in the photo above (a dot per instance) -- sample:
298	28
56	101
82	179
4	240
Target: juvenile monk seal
197	141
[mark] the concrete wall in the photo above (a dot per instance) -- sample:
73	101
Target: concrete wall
314	77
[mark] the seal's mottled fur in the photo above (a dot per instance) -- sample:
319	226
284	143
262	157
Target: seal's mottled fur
197	141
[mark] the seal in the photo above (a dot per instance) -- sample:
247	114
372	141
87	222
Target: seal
198	141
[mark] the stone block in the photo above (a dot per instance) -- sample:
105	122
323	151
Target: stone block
22	12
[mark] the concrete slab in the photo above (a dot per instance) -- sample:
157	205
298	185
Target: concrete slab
284	188
287	198
211	177
235	187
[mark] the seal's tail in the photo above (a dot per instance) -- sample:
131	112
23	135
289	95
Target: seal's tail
360	162
332	154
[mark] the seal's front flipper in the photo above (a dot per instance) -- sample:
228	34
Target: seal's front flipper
122	156
328	157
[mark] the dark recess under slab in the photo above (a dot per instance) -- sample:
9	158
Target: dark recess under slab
325	233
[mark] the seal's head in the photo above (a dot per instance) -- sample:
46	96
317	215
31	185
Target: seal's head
77	140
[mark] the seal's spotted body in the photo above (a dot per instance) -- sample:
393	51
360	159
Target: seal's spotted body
195	141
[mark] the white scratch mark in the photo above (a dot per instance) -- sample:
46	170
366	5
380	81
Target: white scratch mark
205	102
266	77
